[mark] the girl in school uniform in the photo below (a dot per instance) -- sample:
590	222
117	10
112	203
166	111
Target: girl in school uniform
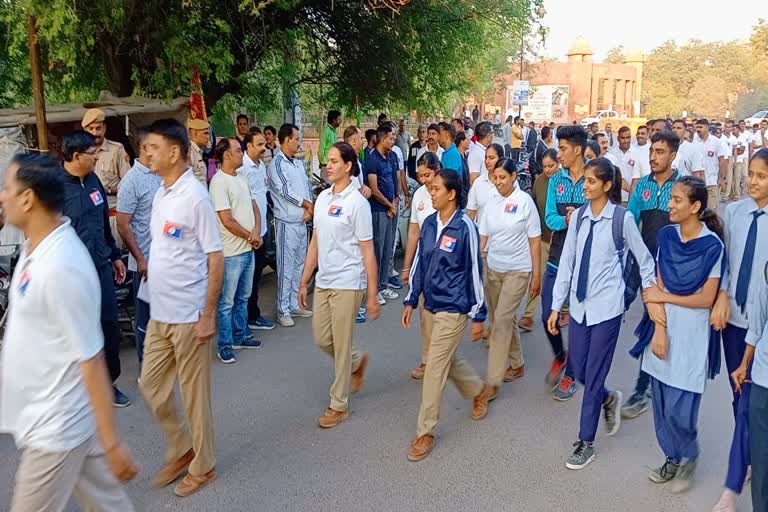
421	208
511	232
342	251
680	350
591	274
447	271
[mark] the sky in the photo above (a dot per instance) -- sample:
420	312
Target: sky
605	25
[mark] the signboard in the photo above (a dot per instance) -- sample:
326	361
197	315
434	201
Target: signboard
547	103
520	91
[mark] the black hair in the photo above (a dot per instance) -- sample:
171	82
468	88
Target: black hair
242	116
382	118
594	146
703	121
642	127
251	134
498	148
573	134
682	121
624	129
333	115
222	147
697	191
349	156
760	154
285	131
507	164
551	153
517	118
383	131
483	129
449	128
76	142
42	175
460	137
254	129
452	181
270	128
596	137
370	134
545	131
668	136
430	161
173	131
348	132
605	171
458	120
434	127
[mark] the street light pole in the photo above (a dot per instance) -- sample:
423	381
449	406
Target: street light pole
38	91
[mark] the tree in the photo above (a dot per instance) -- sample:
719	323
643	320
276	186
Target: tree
615	55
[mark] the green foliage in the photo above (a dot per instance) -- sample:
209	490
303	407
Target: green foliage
615	55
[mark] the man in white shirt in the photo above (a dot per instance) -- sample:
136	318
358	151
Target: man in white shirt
642	149
729	144
476	158
240	230
740	153
186	268
714	162
55	399
612	139
507	135
688	161
627	161
255	170
602	141
433	132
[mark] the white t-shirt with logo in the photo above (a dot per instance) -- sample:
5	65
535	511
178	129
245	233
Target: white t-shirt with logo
643	158
421	206
53	326
688	159
712	150
481	192
341	222
509	222
476	159
629	167
743	142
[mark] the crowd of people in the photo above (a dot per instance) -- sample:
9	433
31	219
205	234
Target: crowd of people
673	218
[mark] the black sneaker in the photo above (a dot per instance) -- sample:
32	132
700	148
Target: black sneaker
684	478
665	473
582	456
635	406
119	400
248	342
226	355
611	413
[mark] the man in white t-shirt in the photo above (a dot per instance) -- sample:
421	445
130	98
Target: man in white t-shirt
240	231
642	148
627	161
729	144
55	397
740	153
476	158
688	161
714	162
186	267
433	132
602	141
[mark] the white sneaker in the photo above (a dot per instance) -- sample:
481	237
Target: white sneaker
727	502
285	320
301	313
389	294
380	299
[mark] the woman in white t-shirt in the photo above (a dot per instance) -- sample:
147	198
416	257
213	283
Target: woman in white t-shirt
421	208
342	251
511	233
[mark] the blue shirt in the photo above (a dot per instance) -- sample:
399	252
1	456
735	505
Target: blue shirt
385	170
649	204
562	192
451	159
605	286
134	197
757	335
738	218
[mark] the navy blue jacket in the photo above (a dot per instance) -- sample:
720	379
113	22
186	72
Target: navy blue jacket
86	206
449	272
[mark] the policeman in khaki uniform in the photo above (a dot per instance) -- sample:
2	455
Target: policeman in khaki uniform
199	138
113	162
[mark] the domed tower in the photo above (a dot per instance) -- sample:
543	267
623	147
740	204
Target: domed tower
580	51
636	59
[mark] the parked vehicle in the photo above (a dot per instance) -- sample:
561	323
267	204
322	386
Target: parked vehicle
599	116
756	118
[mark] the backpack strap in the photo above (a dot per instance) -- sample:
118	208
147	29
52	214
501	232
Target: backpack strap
580	216
617	227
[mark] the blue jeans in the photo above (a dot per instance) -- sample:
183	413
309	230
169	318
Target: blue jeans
141	317
384	229
233	302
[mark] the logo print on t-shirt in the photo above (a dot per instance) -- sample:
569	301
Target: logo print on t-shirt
23	282
420	207
447	243
335	211
510	208
710	153
631	162
646	194
96	198
560	189
172	230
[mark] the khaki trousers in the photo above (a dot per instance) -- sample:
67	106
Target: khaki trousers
446	331
532	305
505	293
739	179
713	197
489	320
171	351
333	323
425	327
46	480
729	178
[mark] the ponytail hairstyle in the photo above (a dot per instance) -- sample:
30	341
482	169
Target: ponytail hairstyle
551	153
508	165
430	161
348	156
697	191
498	148
605	171
452	181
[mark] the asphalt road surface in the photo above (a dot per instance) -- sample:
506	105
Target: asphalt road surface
273	457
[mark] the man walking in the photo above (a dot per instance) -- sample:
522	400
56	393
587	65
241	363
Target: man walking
134	209
185	274
199	138
113	163
87	208
713	162
292	197
55	399
328	138
240	230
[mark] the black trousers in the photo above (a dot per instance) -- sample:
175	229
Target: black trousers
109	324
260	261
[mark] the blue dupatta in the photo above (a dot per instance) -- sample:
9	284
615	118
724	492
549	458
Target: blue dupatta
684	267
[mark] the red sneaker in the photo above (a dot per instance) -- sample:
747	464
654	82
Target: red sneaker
555	371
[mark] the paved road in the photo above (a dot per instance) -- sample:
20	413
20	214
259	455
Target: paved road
273	457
